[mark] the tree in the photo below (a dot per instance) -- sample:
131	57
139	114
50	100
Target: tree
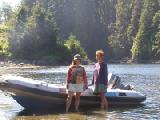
122	28
105	10
35	33
80	17
142	45
156	36
6	12
74	46
5	16
134	21
118	31
3	40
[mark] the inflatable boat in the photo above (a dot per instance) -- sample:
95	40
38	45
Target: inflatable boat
36	94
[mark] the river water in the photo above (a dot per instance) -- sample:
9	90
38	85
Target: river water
144	77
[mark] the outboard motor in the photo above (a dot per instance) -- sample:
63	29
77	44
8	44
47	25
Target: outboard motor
114	82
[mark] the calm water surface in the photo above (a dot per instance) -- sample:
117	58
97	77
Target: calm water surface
144	77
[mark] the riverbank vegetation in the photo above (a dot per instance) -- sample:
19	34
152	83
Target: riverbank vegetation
52	31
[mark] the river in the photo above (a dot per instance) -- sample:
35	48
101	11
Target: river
144	77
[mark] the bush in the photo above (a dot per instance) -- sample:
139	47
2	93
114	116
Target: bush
74	47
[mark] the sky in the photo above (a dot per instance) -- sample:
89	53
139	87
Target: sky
13	3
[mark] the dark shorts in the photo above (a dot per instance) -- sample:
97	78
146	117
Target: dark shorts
100	88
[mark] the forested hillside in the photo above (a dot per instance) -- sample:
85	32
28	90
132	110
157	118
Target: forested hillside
57	29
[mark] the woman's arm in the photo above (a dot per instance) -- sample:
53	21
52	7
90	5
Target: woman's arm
106	75
85	79
68	76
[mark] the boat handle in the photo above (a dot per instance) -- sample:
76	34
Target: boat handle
44	84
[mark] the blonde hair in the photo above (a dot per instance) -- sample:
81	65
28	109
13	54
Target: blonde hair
100	52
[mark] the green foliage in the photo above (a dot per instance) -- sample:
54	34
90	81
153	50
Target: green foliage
3	40
156	46
122	28
142	46
74	46
134	21
117	39
6	14
156	36
35	33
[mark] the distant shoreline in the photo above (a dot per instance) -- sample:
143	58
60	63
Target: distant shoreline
27	64
129	62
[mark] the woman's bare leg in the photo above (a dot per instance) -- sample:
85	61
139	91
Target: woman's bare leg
77	101
69	100
104	102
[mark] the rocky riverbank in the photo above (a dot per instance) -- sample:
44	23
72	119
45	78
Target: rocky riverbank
11	64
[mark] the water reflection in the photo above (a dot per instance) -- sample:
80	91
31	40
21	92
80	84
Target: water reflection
87	114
